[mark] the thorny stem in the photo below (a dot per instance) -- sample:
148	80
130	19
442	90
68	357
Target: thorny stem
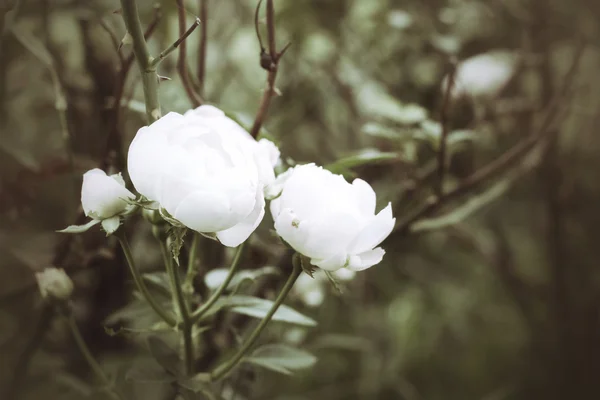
192	269
89	357
222	370
175	44
186	323
197	315
139	281
144	60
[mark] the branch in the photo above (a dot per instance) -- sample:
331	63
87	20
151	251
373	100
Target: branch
176	44
202	47
182	68
144	60
504	161
439	188
269	62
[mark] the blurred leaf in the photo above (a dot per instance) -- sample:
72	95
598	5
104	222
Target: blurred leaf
281	358
149	372
215	278
80	228
164	354
341	341
197	384
378	130
258	308
364	157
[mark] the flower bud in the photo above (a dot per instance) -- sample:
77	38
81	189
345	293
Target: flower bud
103	196
54	283
329	220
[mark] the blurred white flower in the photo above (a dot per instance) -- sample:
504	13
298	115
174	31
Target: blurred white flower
54	283
205	170
103	196
484	75
329	220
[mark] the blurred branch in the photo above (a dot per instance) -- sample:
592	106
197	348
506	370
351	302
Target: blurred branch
144	60
182	67
442	157
202	46
270	62
504	161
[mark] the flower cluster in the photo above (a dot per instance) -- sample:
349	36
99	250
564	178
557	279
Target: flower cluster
204	171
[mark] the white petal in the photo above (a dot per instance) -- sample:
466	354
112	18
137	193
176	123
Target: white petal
332	263
237	234
344	274
365	260
364	196
292	230
331	234
205	212
376	230
102	196
147	152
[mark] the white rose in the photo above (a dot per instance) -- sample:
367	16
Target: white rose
205	170
103	196
330	220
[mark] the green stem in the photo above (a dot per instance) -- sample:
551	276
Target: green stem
199	313
176	44
144	60
87	354
139	281
192	269
222	370
186	322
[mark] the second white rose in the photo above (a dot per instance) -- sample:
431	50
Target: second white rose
205	170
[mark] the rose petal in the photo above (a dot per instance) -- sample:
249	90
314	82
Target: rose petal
332	263
365	260
376	230
205	212
102	196
237	234
364	196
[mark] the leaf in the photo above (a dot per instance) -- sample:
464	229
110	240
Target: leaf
215	278
307	267
149	372
167	357
110	225
364	157
80	228
281	358
258	308
198	383
176	234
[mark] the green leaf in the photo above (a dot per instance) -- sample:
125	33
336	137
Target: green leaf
378	130
167	357
110	225
364	157
176	234
80	228
281	358
149	372
199	383
258	308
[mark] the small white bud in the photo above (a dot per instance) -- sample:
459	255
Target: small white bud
54	283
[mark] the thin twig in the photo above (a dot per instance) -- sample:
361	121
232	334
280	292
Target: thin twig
202	46
271	64
176	44
504	161
442	157
182	67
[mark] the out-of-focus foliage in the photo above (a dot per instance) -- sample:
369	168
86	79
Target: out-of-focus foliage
498	295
